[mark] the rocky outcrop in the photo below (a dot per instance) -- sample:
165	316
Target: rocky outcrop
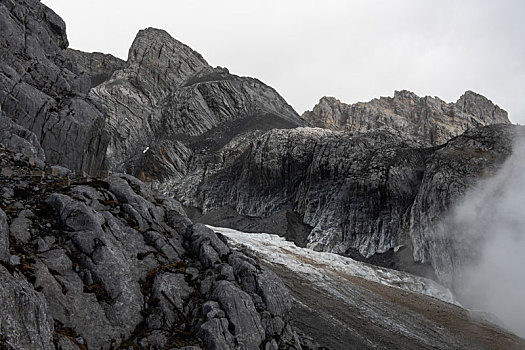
168	104
20	140
101	264
429	119
41	95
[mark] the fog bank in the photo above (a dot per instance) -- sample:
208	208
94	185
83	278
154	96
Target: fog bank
491	219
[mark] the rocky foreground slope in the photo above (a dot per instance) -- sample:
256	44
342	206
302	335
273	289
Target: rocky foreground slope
105	264
428	119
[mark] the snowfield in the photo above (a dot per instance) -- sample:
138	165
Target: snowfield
320	267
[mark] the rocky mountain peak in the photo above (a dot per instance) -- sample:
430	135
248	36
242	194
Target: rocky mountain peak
429	119
161	61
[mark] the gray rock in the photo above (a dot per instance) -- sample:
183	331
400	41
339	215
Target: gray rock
203	234
20	226
245	272
274	293
61	171
241	313
4	238
44	98
212	309
354	191
68	303
428	119
14	260
25	321
171	289
20	140
64	343
165	104
156	340
215	335
100	67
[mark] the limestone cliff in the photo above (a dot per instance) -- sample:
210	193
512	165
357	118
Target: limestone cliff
40	94
428	118
368	195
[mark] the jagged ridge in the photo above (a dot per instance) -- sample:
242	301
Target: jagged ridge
429	119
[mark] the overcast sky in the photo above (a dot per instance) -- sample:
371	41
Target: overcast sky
352	50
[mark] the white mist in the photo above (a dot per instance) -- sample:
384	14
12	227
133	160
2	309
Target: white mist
492	219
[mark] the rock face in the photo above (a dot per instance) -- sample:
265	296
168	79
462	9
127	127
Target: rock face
99	66
107	263
19	139
368	195
354	191
167	105
429	119
41	95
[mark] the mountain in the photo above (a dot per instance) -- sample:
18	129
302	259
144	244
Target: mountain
101	161
429	119
167	105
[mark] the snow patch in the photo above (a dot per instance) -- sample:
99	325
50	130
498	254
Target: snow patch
316	266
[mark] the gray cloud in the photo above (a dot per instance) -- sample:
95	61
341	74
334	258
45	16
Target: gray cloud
353	50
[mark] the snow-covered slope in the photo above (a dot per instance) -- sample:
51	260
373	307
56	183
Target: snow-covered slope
316	266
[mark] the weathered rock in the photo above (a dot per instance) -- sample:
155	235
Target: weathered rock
171	289
20	227
215	335
373	196
241	313
25	321
38	92
429	119
4	238
106	284
274	295
97	65
167	103
20	140
354	190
